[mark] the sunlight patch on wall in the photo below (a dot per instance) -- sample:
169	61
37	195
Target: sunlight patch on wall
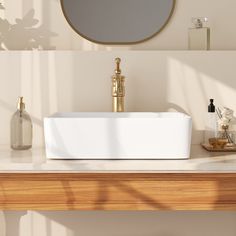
190	86
26	77
188	90
36	224
52	80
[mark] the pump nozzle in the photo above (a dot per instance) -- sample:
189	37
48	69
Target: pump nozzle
21	104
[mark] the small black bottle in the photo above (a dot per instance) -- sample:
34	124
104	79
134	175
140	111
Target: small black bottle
211	123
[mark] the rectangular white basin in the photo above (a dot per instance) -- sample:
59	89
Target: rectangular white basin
118	135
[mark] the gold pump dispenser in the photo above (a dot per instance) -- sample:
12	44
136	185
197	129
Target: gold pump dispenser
118	89
21	104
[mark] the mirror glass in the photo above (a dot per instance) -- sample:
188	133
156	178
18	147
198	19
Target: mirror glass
117	21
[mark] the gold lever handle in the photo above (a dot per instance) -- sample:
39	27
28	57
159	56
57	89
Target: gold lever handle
118	70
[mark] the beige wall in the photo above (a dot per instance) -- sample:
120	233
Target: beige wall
120	223
61	81
81	81
221	14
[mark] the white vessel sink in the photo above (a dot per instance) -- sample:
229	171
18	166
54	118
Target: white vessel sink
118	135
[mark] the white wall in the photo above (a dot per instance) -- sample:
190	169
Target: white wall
181	81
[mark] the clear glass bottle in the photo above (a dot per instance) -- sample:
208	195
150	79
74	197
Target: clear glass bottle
199	36
21	128
226	128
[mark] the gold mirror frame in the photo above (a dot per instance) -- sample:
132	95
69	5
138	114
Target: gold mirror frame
117	43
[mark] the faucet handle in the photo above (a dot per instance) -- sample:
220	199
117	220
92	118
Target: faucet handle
118	70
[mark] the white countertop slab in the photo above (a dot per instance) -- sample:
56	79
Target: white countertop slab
34	161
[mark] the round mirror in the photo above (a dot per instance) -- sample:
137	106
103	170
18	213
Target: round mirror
117	21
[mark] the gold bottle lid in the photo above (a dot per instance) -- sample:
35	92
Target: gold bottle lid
21	104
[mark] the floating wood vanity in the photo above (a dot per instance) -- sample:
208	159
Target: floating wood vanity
29	182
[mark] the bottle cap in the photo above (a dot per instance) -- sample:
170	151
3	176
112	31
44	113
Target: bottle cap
211	107
199	21
21	104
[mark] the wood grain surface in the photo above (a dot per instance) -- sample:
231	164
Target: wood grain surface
109	191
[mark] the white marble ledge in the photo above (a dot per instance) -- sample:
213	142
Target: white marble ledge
35	161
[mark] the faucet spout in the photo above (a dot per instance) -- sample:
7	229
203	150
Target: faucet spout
118	89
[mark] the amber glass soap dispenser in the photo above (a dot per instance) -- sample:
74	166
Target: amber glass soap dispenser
21	128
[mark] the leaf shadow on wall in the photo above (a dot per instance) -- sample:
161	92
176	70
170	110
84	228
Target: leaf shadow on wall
24	34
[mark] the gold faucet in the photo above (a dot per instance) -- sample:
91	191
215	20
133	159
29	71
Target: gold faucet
118	89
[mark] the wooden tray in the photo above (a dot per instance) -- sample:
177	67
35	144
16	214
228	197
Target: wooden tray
209	148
